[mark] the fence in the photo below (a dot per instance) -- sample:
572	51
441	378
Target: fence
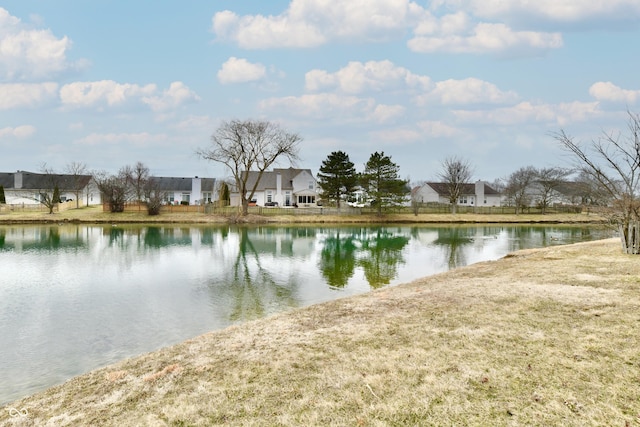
431	208
438	208
28	207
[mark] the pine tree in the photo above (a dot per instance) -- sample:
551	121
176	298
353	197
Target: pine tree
224	196
381	181
337	177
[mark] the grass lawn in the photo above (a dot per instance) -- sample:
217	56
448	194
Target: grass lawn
94	214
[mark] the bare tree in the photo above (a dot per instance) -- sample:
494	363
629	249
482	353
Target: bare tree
589	191
613	161
250	145
154	196
455	173
518	187
78	173
114	188
138	177
548	180
49	191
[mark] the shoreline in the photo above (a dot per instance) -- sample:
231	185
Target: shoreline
95	215
492	343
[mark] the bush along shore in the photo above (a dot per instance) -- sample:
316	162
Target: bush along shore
540	337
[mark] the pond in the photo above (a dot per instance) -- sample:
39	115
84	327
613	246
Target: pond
77	297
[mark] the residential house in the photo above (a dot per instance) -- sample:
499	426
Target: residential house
284	187
572	193
27	188
190	191
476	194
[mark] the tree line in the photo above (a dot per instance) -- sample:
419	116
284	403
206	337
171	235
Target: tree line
608	170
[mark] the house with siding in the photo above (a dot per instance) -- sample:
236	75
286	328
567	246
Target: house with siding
27	188
191	191
474	194
286	187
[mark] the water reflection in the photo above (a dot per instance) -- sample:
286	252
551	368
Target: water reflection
251	289
76	297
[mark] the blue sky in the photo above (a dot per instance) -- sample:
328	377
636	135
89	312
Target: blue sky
109	83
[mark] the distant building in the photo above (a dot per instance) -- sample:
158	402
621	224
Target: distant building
27	188
477	194
192	191
284	187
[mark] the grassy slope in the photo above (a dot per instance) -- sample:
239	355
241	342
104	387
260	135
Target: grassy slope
541	337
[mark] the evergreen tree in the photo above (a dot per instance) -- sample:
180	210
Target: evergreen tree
381	181
224	196
2	198
337	176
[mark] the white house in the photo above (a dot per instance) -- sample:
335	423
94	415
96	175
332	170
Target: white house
191	191
27	188
286	187
477	194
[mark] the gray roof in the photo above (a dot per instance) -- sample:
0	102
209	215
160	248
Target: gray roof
166	183
40	181
268	179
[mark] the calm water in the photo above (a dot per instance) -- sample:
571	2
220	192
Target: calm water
75	297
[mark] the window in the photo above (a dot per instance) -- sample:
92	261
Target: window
306	199
462	200
206	197
186	197
310	185
269	196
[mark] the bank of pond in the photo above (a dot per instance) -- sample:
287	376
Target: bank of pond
76	297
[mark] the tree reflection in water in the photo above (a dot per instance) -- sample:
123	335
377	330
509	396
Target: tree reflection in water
381	253
454	239
378	251
337	259
253	286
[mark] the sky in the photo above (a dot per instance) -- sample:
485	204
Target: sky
111	83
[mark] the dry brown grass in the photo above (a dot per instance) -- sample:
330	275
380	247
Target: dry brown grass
94	214
541	337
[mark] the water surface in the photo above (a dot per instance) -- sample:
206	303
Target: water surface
77	297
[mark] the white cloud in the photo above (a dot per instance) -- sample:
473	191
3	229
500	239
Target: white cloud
528	113
178	94
549	10
358	77
607	91
397	135
310	23
324	105
239	70
21	95
487	38
99	93
112	94
384	113
28	54
19	132
196	123
437	129
136	139
467	91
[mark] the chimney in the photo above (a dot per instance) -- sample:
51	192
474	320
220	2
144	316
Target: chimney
479	193
17	183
